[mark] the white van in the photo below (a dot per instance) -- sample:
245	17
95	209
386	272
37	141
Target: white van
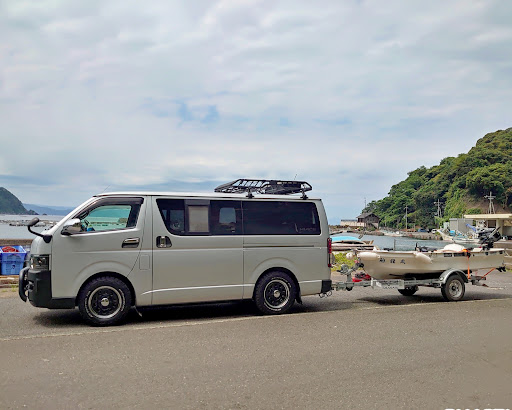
119	250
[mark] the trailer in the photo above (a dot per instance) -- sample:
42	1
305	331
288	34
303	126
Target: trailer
452	282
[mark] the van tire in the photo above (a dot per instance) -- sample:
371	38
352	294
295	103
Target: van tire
104	301
275	293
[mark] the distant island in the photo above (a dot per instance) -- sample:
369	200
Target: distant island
10	204
48	210
458	184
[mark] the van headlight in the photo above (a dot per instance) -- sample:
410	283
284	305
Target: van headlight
40	262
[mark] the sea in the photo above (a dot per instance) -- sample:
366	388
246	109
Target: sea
21	232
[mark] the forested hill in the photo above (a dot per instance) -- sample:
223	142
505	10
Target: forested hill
9	204
459	183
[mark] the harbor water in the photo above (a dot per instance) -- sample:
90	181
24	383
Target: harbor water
8	231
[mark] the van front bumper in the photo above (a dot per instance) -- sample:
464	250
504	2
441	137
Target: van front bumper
37	287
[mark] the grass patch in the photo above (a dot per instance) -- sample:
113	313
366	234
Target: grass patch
340	258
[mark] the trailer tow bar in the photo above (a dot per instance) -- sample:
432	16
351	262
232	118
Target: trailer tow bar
347	271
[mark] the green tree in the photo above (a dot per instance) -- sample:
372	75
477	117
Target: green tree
456	181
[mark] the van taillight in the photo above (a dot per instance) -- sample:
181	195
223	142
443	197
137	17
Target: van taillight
329	252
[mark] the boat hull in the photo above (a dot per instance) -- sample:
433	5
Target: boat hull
395	264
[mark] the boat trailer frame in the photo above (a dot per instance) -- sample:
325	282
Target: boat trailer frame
451	282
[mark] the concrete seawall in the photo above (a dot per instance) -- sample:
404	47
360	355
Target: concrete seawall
423	236
19	242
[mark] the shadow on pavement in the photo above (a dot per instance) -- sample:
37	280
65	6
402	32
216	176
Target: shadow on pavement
197	312
178	313
58	318
239	309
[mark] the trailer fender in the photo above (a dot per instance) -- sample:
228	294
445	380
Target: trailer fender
449	272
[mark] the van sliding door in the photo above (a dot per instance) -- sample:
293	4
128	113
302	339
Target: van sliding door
197	250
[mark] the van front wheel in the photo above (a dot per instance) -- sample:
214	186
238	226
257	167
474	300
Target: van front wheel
275	293
104	301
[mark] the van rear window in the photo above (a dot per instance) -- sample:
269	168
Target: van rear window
280	218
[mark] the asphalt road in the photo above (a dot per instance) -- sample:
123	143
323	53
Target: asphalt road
361	349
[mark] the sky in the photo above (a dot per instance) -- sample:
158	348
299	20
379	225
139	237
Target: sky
349	95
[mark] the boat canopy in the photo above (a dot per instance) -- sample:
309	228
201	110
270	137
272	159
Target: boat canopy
346	239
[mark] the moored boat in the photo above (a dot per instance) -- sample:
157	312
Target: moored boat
459	237
347	243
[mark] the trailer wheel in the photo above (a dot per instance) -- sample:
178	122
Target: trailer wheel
454	288
408	291
275	293
104	301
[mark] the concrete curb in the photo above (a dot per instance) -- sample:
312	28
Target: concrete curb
8	281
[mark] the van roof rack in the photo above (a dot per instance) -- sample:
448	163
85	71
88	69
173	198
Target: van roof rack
265	186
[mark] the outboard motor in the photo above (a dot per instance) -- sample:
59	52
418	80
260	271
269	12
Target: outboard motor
487	237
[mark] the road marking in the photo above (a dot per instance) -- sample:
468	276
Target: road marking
126	328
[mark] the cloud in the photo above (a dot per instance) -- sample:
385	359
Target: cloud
347	95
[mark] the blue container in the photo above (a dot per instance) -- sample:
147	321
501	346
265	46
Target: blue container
12	262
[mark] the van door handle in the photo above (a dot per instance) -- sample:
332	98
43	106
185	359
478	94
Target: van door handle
163	242
131	243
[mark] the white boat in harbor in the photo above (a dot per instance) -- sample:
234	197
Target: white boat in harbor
458	237
382	264
393	233
347	243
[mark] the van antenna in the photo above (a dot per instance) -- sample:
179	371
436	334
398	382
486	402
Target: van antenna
108	186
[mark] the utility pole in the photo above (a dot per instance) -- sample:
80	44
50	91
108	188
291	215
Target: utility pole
438	212
406	208
490	197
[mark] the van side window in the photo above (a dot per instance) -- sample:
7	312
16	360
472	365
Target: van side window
173	214
215	217
183	217
226	217
107	215
198	219
280	218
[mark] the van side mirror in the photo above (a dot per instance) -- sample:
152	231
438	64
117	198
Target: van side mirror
71	227
33	222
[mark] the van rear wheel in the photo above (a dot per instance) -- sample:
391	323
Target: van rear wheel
104	301
275	293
